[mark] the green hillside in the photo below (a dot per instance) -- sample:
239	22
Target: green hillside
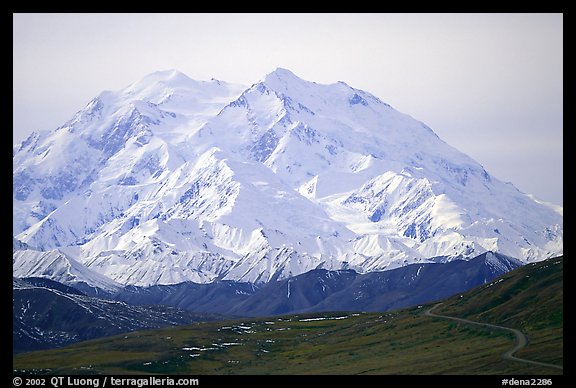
398	342
530	299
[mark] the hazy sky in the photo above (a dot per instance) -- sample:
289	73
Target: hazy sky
490	85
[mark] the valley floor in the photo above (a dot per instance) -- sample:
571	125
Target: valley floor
406	342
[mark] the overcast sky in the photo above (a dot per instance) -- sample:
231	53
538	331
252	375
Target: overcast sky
490	85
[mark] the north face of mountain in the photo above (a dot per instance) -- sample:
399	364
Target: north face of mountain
173	180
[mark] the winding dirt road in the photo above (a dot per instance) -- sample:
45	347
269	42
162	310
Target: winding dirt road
521	339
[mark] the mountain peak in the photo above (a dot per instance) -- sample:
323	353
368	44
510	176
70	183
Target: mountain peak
169	75
282	73
160	87
170	78
286	82
282	80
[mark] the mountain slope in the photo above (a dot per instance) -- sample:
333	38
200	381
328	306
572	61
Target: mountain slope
376	291
321	290
171	180
397	342
48	314
530	299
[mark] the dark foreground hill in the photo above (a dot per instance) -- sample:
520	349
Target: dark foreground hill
48	314
398	342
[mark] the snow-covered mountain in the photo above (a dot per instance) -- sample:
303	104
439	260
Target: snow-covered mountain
172	180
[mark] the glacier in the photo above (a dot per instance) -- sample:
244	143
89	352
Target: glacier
171	180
